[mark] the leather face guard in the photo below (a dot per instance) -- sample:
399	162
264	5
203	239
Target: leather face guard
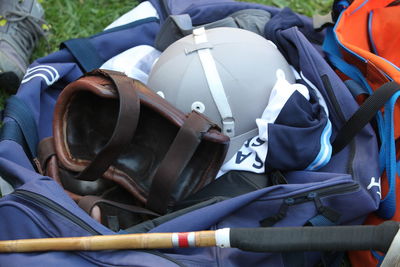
109	126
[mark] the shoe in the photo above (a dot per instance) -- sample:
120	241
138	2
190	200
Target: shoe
21	27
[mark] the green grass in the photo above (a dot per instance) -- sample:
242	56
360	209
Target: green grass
78	18
82	18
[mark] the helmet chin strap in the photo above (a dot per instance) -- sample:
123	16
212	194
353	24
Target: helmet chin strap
214	81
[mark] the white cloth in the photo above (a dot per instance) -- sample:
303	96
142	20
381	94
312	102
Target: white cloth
142	11
135	62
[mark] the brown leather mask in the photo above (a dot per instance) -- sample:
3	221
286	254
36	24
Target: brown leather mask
112	130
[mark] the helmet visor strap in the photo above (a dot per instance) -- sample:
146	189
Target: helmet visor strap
214	83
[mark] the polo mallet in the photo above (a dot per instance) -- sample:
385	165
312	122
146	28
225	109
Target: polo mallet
271	239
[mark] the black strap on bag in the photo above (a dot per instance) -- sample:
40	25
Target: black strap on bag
364	115
87	203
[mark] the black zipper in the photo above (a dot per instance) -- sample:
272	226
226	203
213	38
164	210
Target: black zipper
311	195
305	196
44	201
332	97
338	111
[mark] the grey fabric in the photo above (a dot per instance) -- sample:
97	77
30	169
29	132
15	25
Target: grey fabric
174	28
252	20
20	32
178	26
5	187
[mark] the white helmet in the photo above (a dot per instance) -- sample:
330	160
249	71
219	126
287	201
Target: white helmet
225	73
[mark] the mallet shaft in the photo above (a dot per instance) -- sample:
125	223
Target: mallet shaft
129	241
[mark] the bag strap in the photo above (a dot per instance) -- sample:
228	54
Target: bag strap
178	156
364	115
88	202
23	129
45	151
128	117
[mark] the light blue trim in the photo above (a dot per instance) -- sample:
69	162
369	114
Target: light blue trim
370	37
340	44
376	255
325	152
359	7
330	47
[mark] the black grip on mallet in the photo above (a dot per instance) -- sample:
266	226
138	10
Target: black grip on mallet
325	238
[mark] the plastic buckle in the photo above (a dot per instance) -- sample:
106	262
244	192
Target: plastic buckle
228	126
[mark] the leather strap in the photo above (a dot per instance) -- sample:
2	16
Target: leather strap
128	117
48	160
45	151
87	203
179	154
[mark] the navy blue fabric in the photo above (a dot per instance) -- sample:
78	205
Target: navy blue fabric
354	87
341	184
304	130
283	20
84	52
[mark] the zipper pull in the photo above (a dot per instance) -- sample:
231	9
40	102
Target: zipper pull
270	221
325	215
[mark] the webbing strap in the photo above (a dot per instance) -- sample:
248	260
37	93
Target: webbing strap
387	206
364	115
320	220
11	131
84	52
22	128
88	202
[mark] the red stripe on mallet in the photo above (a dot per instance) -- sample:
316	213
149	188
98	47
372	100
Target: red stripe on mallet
183	241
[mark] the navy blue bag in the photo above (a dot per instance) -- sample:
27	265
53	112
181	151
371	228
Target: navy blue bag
343	192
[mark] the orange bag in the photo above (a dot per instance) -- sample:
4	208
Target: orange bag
367	34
